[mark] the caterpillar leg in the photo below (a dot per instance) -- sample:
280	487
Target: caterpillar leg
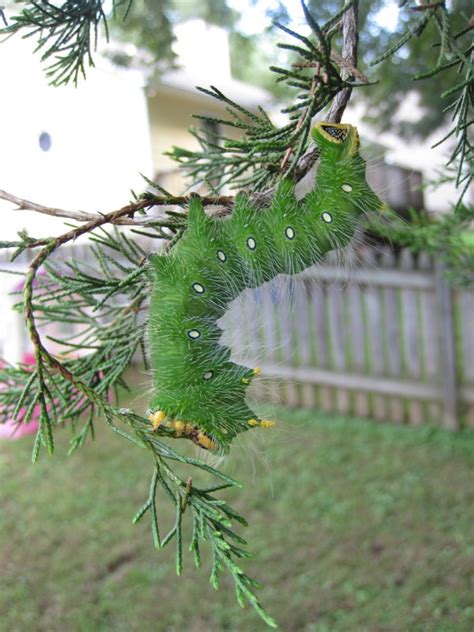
261	423
204	441
253	373
190	431
156	418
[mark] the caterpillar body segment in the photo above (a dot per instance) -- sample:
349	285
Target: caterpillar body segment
195	383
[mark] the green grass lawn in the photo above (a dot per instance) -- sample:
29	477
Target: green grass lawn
357	526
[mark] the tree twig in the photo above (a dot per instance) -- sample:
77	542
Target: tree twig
115	217
428	5
340	61
350	42
350	21
26	205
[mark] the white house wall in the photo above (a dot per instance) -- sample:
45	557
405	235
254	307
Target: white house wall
100	140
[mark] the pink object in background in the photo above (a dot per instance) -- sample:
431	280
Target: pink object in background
12	430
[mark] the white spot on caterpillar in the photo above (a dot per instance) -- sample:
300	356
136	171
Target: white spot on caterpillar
198	288
326	217
221	256
251	243
194	334
207	375
347	188
289	232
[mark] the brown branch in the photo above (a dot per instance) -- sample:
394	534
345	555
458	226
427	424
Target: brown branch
122	217
429	5
27	205
349	64
350	42
340	61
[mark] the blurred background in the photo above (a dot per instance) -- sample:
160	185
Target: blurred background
361	501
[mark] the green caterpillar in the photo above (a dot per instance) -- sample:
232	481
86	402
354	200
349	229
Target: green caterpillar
198	392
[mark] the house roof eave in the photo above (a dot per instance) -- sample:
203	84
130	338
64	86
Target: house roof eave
184	84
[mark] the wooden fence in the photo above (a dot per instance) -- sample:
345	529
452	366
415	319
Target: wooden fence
385	337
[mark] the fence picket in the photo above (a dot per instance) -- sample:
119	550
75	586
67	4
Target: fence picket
287	333
337	337
321	337
374	335
430	350
357	343
448	382
410	330
466	305
303	338
392	337
270	340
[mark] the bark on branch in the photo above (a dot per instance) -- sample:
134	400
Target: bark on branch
350	36
116	217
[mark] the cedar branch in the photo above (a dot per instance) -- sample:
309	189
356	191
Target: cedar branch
350	21
122	217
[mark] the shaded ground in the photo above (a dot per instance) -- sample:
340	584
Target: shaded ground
369	528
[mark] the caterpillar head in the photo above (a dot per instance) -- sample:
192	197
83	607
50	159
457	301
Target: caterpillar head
343	167
339	138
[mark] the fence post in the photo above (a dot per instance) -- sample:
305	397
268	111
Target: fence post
447	348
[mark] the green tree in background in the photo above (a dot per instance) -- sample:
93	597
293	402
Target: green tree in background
395	74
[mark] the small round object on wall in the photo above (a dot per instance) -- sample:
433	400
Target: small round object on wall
45	141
